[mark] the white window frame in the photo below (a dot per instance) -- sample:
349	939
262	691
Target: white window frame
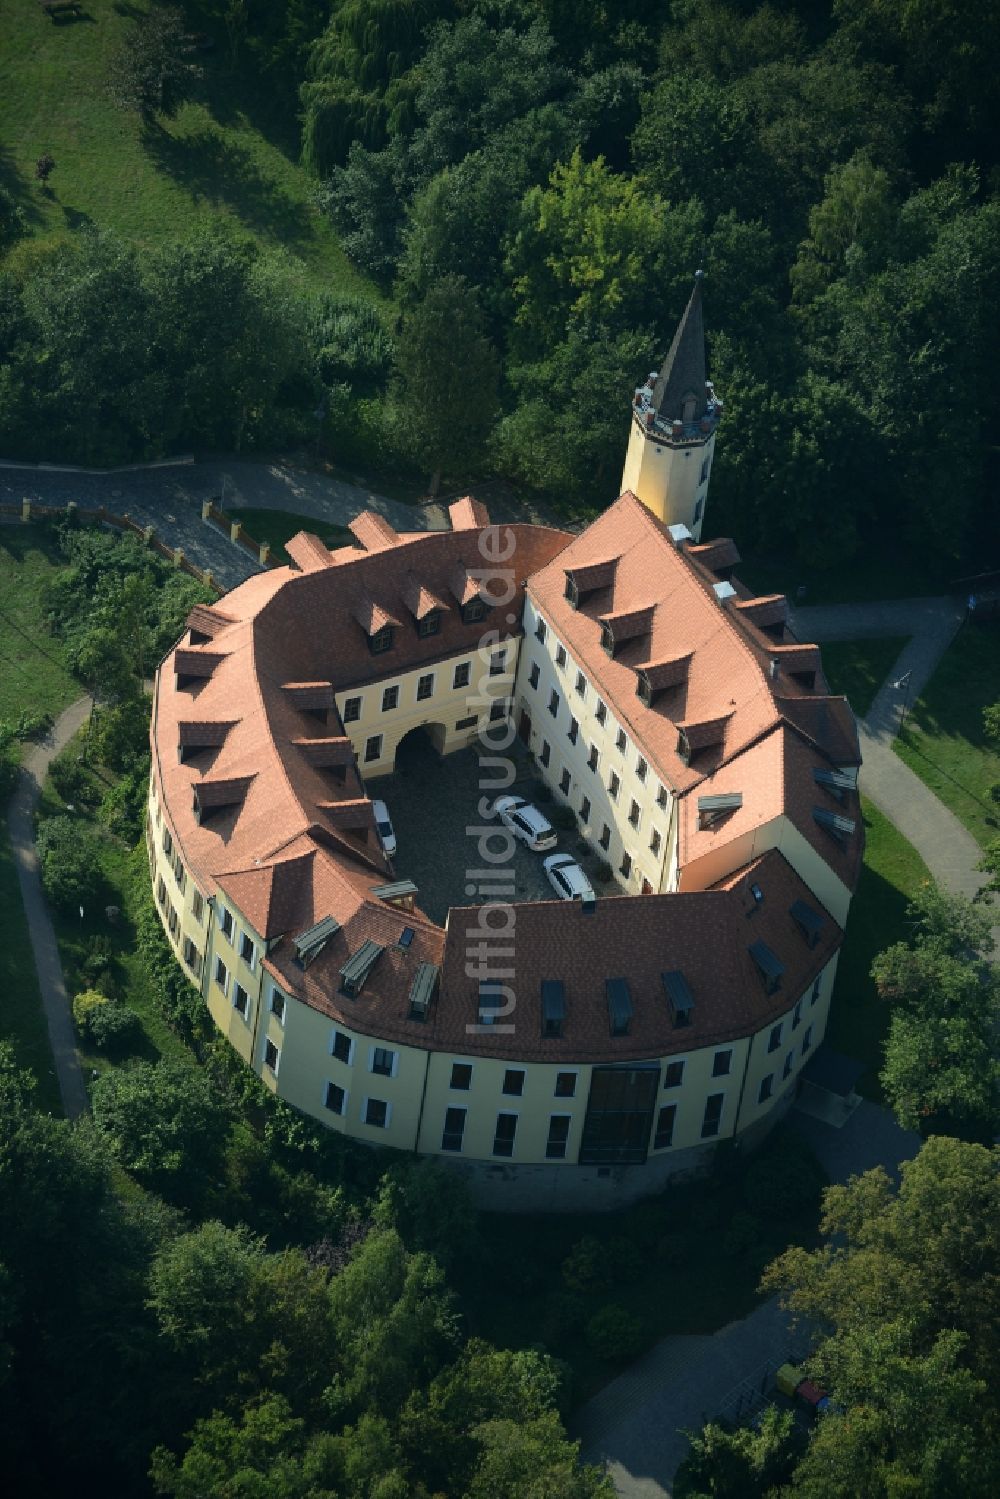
223	984
378	739
461	1062
223	914
284	1005
514	1114
394	1065
364	1112
425	676
243	1014
563	1071
250	962
456	685
391	708
350	1043
556	1114
268	1041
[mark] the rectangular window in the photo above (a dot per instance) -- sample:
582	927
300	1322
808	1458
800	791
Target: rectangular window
497	660
581	685
533	674
461	1076
546	753
241	1000
585	809
703	475
766	1088
454	1129
565	1085
222	975
383	1061
673	1075
634	814
248	951
661	798
473	611
272	1056
192	956
425	687
172	921
699	507
390	699
553	703
463	674
654	842
665	1126
594	758
641	768
574	730
621	742
540	631
226	923
503	1138
352	710
197	906
168	843
774	1039
381	641
513	1082
560	655
555	1145
376	1113
430	624
179	874
336	1098
278	1005
467	723
807	1040
626	865
788	1065
601	711
713	1115
797	1016
564	783
373	748
498	710
817	986
605	838
161	891
614	786
342	1047
721	1063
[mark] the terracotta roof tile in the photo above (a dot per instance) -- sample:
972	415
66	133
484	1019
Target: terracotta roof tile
308	552
467	514
373	531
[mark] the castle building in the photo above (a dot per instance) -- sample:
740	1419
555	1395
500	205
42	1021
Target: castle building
600	1047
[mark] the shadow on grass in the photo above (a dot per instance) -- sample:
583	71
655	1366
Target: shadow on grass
914	749
223	173
13	181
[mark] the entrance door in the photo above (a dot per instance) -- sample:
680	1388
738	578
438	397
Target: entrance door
619	1115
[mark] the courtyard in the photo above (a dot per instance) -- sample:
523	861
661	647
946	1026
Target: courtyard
434	803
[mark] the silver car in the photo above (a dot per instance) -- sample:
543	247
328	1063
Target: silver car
386	831
568	879
526	822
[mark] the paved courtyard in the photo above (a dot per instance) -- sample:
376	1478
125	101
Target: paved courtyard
433	802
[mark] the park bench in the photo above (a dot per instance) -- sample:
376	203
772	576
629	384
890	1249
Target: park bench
60	7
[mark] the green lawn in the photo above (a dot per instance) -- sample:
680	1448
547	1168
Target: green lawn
22	1020
942	740
222	158
33	673
857	668
278	526
891	873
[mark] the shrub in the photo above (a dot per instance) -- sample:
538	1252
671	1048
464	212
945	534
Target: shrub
70	859
784	1181
743	1234
69	778
615	1333
9	770
85	1006
123	805
114	1027
588	1267
564	1314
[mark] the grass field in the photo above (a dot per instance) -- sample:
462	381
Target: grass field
892	872
857	668
22	1020
278	526
942	740
222	158
33	673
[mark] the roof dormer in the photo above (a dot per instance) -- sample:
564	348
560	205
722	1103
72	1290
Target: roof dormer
618	629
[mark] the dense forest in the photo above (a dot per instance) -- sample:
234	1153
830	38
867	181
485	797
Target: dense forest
529	185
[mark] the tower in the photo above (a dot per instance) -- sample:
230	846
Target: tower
672	437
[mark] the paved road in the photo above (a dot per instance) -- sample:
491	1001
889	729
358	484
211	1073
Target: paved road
43	938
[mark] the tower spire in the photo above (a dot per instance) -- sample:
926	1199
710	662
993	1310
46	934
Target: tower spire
682	377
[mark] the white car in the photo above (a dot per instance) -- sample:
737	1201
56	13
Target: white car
385	829
568	879
526	822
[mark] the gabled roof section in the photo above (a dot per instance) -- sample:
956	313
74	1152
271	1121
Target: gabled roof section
207	620
462	584
419	598
683	371
373	531
310	695
371	615
326	753
766	612
203	733
276	897
828	723
717	556
308	552
196	661
468	514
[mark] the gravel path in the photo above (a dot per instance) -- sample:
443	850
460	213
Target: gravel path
43	938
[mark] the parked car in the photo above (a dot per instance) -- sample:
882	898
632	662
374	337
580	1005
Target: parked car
385	829
567	878
525	822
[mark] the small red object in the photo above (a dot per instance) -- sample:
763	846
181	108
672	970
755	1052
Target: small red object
809	1392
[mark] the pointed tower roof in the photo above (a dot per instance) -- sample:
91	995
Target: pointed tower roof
683	371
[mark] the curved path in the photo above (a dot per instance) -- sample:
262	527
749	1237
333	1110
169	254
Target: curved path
43	938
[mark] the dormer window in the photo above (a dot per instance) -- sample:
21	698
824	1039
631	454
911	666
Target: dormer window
381	641
572	592
607	639
473	611
769	966
683	747
430	624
